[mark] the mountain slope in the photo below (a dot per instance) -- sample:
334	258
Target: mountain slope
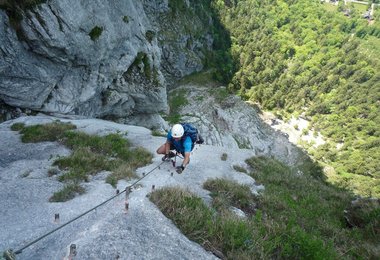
109	232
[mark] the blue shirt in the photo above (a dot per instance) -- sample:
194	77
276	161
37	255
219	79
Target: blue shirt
183	145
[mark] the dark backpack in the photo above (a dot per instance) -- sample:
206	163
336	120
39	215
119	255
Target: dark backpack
193	133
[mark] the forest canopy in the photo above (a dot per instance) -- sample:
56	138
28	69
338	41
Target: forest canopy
302	57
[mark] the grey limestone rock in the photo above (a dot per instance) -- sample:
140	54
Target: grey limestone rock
108	59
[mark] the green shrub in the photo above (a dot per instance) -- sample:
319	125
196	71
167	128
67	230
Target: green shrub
173	118
224	157
125	19
17	126
95	32
142	58
67	193
305	131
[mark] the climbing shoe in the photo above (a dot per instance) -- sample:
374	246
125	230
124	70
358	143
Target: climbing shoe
168	156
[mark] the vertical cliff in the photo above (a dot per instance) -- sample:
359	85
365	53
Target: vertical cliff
110	59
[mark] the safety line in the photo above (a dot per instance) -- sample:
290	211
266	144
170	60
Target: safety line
85	213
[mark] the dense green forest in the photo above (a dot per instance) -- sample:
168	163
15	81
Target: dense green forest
310	58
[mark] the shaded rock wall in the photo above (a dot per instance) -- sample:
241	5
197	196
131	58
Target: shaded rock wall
95	58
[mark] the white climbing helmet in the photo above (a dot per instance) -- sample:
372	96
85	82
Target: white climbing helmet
177	131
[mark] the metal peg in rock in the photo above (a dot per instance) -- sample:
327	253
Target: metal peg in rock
8	255
73	250
56	218
128	191
126	206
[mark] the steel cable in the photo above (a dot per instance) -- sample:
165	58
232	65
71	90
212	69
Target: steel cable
85	213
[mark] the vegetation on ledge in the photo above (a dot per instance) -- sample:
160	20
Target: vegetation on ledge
90	155
297	216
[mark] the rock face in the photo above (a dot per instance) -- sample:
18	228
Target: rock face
95	58
233	123
109	232
114	59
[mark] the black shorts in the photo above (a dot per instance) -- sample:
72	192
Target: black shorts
172	147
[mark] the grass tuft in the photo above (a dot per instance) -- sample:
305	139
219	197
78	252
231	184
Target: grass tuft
49	132
17	126
240	169
67	193
123	171
91	154
227	193
81	163
177	99
187	211
297	216
125	19
95	32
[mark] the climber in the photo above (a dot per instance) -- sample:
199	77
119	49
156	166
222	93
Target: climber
182	139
